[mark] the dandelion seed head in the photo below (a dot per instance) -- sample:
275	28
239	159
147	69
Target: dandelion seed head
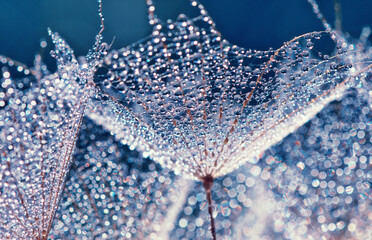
201	106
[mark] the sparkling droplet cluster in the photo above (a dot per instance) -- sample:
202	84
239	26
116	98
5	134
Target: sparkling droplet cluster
322	174
113	194
241	205
40	116
201	106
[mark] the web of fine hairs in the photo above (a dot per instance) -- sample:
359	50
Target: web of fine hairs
201	106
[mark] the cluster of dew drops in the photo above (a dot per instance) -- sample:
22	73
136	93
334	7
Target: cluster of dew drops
183	80
199	104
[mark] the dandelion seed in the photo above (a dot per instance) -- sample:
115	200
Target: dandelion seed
39	121
202	107
40	118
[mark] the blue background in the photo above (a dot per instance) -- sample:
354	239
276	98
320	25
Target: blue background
247	23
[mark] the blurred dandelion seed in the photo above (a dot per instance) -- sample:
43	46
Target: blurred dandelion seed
39	121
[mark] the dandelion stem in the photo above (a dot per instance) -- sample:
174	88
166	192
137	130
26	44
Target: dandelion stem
207	184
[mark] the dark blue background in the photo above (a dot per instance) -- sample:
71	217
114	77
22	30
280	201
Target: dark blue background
247	23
